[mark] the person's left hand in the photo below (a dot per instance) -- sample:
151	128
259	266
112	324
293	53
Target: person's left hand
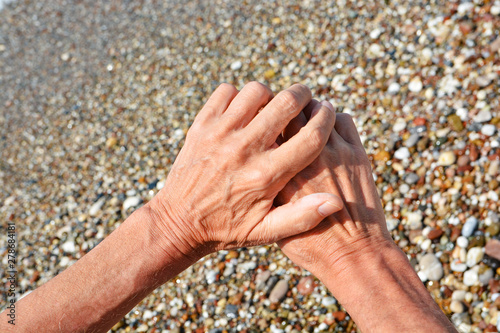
219	193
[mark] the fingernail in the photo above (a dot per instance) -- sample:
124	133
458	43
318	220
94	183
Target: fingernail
328	105
328	208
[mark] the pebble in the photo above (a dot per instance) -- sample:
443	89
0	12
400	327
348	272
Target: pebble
279	291
447	158
463	242
469	227
488	129
306	285
402	153
415	85
431	267
412	140
322	80
426	84
261	279
328	301
415	220
483	116
474	256
459	295
392	223
458	266
492	248
131	202
393	88
470	277
399	125
486	276
456	307
236	65
210	276
96	207
412	178
69	247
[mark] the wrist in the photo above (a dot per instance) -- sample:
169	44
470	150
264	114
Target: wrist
173	239
382	275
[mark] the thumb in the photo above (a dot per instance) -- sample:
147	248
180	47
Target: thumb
295	217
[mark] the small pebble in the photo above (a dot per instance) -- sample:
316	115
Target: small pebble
131	202
431	267
469	227
279	291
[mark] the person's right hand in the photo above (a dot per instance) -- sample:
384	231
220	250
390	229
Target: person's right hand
351	251
342	169
219	193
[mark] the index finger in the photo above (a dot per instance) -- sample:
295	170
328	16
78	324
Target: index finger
272	120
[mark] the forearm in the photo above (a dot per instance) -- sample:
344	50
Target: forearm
103	286
382	293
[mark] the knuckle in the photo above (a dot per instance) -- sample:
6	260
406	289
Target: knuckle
260	178
259	89
316	138
227	87
345	118
289	100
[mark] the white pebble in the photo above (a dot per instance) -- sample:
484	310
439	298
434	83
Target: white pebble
463	242
463	114
375	33
447	158
69	247
458	266
431	267
393	88
470	277
456	307
458	295
415	85
483	116
236	65
399	125
96	207
474	255
322	80
488	129
402	153
131	202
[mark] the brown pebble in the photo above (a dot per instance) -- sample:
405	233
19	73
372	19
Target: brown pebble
494	286
474	153
419	121
455	233
463	160
339	315
435	233
493	248
306	285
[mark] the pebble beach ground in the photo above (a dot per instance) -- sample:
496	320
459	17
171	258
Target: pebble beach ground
96	98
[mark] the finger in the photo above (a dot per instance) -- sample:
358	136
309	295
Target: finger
302	149
301	120
218	101
295	218
345	127
272	120
247	104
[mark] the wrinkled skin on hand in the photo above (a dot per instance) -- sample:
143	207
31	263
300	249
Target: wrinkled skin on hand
219	193
342	169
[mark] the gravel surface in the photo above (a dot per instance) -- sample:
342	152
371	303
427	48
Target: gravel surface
96	98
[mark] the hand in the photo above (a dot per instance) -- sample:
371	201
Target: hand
219	193
351	251
342	169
